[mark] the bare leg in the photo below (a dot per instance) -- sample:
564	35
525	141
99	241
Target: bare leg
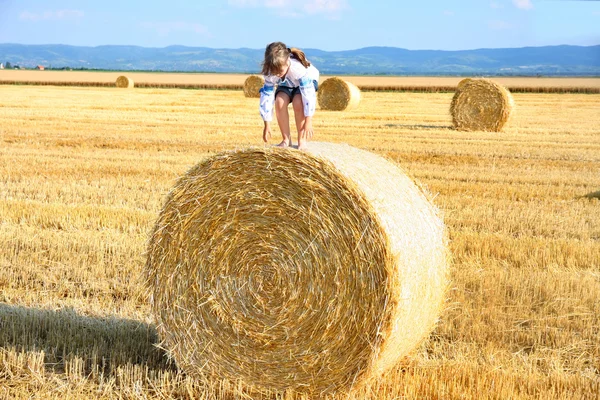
299	116
283	119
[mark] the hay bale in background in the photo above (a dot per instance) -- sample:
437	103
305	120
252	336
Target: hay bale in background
252	85
480	105
463	83
283	269
124	82
336	94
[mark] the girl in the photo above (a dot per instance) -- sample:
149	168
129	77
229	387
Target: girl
297	83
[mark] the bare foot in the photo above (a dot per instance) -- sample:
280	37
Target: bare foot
301	144
285	143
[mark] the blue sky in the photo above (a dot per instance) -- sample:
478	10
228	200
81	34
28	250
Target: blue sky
322	24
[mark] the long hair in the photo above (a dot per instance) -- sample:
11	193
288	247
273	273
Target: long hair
277	54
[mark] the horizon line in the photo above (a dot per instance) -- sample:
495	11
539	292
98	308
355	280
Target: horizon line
306	48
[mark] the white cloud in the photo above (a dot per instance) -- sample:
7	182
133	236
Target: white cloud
51	15
496	5
243	3
296	8
259	3
276	3
289	14
165	28
499	25
324	6
523	4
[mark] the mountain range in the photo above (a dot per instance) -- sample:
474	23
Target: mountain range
546	60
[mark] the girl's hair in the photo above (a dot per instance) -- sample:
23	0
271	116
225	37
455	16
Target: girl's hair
277	54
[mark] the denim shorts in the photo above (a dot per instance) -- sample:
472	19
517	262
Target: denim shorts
291	92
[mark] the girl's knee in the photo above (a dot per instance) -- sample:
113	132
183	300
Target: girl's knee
297	103
281	102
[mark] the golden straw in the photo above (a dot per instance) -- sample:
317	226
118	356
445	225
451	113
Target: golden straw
336	94
480	105
313	271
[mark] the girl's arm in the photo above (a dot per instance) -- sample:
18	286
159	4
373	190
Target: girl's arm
267	98
309	101
309	96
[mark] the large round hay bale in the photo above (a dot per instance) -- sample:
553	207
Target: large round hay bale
252	85
279	269
124	82
480	105
336	94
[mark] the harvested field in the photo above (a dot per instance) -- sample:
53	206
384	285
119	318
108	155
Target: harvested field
85	171
236	81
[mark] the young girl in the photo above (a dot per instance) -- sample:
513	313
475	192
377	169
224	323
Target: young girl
297	83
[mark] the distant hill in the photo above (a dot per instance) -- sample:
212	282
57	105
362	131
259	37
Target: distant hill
548	60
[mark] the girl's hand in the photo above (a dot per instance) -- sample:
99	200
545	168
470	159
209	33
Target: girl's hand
266	132
308	128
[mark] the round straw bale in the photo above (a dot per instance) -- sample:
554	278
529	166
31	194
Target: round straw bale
463	82
314	271
252	85
336	94
124	82
480	105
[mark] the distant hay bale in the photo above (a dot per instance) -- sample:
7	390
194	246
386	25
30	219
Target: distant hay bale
124	82
252	85
280	269
336	94
480	105
463	82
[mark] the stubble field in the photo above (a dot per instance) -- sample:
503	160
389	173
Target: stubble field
236	81
84	172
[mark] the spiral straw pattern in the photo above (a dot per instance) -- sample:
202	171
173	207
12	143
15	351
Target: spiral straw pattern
283	269
252	85
480	105
124	82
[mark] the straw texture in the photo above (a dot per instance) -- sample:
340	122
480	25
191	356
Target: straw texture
314	271
252	85
336	94
124	82
480	105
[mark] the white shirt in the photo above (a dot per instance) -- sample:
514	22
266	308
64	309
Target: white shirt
297	76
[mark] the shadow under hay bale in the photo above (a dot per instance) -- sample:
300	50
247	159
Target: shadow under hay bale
480	105
252	85
63	333
335	94
124	82
593	195
314	271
